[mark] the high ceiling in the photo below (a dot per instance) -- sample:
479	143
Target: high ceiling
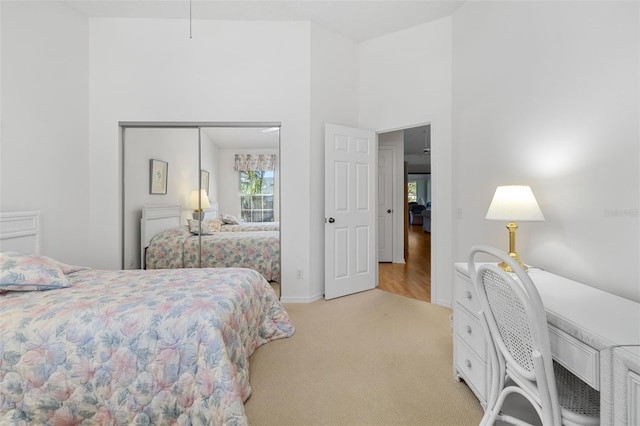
359	20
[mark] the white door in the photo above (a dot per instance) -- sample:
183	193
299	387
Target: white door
385	205
350	210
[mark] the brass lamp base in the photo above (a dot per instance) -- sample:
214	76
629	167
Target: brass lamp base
508	268
512	249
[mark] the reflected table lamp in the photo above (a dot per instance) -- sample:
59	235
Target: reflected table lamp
199	202
513	203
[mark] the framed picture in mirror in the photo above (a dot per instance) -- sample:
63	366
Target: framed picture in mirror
204	180
158	177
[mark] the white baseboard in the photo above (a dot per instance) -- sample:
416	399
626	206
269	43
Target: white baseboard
442	302
301	299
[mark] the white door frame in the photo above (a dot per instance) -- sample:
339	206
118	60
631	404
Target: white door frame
399	230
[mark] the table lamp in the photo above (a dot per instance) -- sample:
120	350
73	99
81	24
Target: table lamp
199	202
514	203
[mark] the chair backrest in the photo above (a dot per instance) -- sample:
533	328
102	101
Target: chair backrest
516	319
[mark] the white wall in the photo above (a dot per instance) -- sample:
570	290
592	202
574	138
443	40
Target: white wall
149	70
406	80
44	155
334	76
546	94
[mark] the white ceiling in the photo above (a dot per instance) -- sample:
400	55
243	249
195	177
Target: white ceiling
359	20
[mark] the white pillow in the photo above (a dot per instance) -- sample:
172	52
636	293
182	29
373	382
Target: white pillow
22	272
230	220
197	227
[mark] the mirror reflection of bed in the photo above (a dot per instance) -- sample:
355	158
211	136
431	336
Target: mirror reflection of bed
214	159
168	244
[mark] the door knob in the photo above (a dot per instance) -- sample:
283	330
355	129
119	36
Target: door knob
389	211
331	220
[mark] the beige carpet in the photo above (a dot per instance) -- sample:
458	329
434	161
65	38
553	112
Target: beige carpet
372	358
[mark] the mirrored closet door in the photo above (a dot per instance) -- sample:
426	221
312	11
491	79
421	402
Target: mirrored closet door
201	195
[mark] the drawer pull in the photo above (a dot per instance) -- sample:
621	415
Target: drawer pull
468	294
468	328
467	363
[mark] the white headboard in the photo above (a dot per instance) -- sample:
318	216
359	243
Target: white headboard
20	231
156	219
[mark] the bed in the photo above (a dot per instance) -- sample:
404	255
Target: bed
126	347
168	244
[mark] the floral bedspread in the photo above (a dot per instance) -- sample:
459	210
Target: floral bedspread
179	248
166	249
251	226
136	347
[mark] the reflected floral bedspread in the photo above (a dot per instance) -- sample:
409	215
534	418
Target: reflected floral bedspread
251	226
179	248
136	347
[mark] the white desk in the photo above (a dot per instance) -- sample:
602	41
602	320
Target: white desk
585	324
623	395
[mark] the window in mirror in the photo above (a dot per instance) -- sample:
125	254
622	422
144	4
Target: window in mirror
256	196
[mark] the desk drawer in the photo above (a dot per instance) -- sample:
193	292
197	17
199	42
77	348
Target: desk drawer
633	398
465	294
469	329
579	358
472	369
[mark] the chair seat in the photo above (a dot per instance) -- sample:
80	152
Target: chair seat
579	401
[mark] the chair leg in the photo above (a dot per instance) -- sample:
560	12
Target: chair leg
486	418
492	414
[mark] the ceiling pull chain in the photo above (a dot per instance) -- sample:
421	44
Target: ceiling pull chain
190	20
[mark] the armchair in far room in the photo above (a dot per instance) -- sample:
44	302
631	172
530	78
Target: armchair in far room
415	214
426	218
412	204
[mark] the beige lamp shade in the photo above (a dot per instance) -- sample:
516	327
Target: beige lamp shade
514	203
199	200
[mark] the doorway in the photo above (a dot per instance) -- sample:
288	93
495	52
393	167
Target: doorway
412	278
409	274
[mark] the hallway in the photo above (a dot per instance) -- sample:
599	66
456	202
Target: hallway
412	279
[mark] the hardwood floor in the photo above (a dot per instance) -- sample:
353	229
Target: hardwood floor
412	279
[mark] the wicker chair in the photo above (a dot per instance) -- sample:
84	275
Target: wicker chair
514	320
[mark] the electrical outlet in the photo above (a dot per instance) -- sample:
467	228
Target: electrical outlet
299	274
460	213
